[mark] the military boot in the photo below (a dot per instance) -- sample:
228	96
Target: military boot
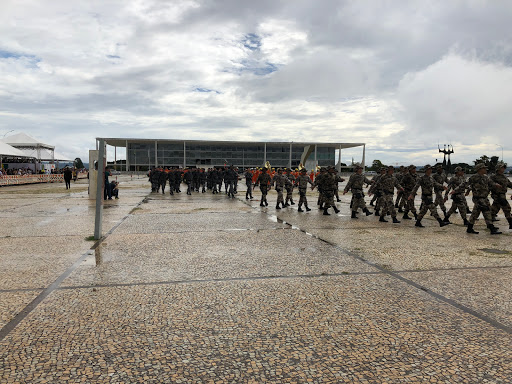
494	218
471	230
415	215
418	224
353	215
261	204
447	219
406	216
308	209
367	212
494	230
292	202
466	222
266	203
395	220
383	220
400	210
300	209
441	222
277	206
509	223
284	205
336	210
326	213
377	212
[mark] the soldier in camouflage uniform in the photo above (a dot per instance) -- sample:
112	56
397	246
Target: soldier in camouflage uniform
409	180
281	182
337	179
387	183
163	179
170	177
327	183
248	183
499	195
229	179
355	185
458	186
377	190
155	179
401	199
263	181
427	184
302	182
441	179
480	186
289	188
320	202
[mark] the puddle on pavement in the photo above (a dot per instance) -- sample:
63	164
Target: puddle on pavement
495	251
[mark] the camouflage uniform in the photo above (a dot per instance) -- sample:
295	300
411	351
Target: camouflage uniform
458	184
264	180
337	179
355	185
229	179
427	184
441	179
377	190
155	179
289	188
328	183
401	198
499	195
387	183
248	183
302	182
280	181
480	186
409	180
162	180
318	184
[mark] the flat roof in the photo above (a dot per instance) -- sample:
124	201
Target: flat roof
121	142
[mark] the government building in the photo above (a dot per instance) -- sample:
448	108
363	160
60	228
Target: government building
143	154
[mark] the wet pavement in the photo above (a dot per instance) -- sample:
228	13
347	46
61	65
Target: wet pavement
202	288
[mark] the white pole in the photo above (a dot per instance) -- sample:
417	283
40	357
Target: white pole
100	181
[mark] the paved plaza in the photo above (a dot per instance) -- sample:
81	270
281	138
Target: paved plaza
206	289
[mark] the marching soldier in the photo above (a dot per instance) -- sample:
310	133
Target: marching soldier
387	184
355	185
458	186
248	182
499	195
289	187
327	183
302	182
401	198
409	180
263	181
480	186
280	181
318	184
337	179
427	184
377	190
441	179
163	179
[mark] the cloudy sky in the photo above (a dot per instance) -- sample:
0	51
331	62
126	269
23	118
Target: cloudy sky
401	76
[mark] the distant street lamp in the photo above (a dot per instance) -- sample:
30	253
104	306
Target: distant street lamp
501	151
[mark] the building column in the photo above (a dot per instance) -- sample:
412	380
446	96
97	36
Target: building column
290	165
316	158
339	159
115	157
127	167
364	157
184	154
265	154
156	154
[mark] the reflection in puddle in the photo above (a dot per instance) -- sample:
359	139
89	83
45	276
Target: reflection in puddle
97	255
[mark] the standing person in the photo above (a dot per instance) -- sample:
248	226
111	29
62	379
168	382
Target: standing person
264	180
229	179
289	187
427	183
187	177
458	186
163	179
441	179
409	181
377	190
327	183
107	191
170	177
319	184
67	177
480	186
387	184
202	180
337	179
302	183
248	183
355	185
499	195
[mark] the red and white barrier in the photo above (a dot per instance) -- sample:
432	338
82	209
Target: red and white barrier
31	179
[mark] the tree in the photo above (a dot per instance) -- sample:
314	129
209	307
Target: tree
78	163
376	165
490	162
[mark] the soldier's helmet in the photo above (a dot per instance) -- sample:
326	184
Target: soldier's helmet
358	167
439	166
427	167
303	170
279	169
458	169
500	165
323	169
480	166
390	167
382	169
411	167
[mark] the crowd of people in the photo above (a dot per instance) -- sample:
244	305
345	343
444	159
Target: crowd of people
16	172
436	189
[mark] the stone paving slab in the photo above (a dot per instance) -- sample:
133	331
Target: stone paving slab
488	291
11	303
212	255
168	205
353	329
231	221
35	262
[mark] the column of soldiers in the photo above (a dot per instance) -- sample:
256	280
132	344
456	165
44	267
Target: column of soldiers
407	184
